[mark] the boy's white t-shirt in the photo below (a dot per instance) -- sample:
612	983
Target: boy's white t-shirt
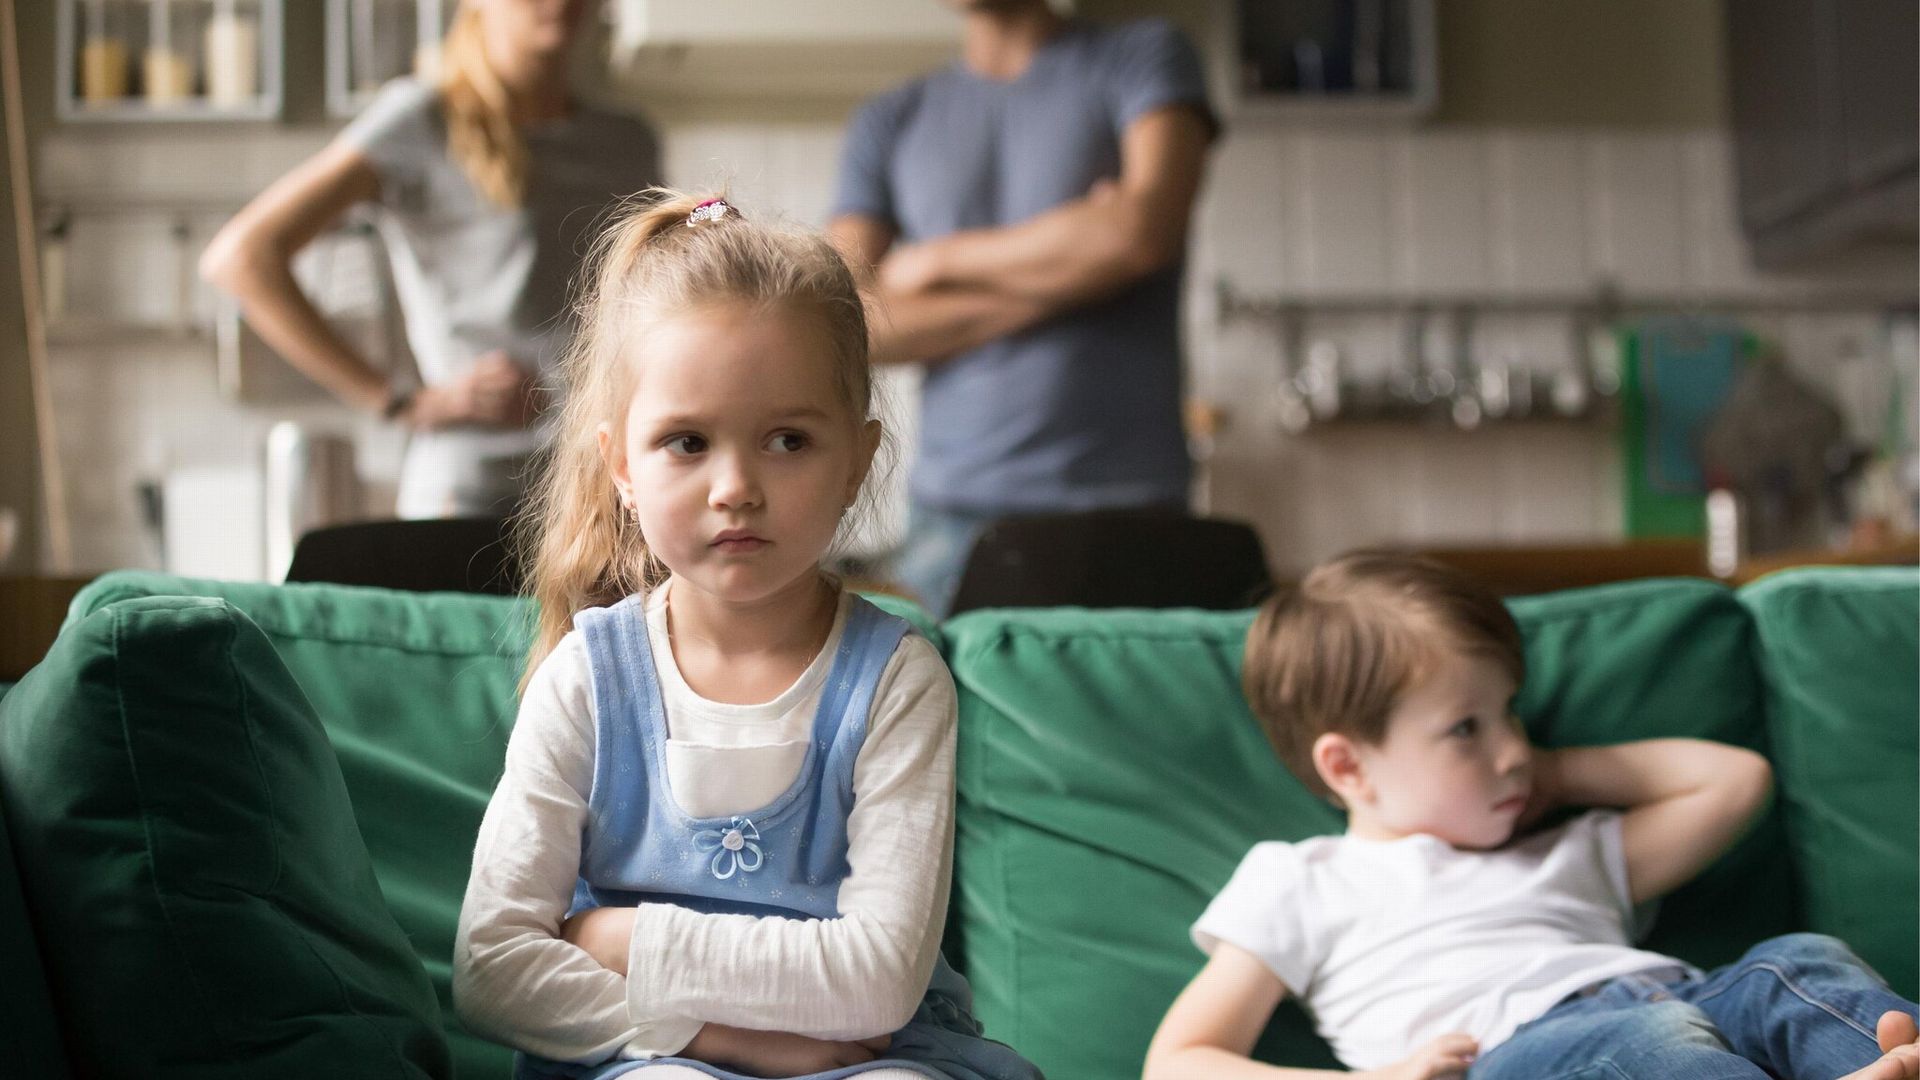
1391	944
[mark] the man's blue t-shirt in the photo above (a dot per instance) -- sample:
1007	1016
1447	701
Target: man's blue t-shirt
1082	410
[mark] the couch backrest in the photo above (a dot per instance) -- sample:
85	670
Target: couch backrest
1111	778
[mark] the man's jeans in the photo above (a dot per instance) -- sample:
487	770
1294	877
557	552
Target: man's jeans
1799	1007
930	559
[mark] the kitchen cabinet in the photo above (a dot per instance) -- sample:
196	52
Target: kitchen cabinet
679	54
145	60
1328	61
1824	112
372	41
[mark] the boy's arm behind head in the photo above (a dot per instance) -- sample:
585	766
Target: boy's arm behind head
1685	802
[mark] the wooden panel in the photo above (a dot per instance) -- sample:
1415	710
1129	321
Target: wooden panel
1515	571
34	610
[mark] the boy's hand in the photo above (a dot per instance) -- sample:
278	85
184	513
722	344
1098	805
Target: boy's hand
1445	1057
605	933
777	1053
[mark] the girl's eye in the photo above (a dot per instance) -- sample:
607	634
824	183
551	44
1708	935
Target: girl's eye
1466	728
685	445
787	442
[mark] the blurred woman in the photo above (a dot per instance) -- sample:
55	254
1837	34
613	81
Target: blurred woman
486	182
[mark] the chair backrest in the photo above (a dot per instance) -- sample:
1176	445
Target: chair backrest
445	555
1113	558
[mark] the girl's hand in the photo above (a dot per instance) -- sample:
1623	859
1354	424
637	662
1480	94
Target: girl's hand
1444	1058
776	1053
604	933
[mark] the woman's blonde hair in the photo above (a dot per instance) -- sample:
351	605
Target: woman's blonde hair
582	548
481	134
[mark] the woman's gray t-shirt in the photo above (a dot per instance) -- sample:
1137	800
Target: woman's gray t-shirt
473	277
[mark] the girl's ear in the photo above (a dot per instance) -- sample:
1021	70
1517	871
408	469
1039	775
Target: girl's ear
1337	759
866	445
614	456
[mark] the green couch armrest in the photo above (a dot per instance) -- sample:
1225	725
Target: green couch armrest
182	830
1839	652
30	1039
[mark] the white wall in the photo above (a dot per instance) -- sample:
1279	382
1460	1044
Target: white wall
1287	212
1514	212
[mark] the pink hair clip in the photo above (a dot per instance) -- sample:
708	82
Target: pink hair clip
711	210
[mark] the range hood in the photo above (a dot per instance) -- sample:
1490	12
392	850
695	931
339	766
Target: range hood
790	53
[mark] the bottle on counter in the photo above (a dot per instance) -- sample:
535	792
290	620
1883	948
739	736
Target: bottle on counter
233	56
103	59
167	70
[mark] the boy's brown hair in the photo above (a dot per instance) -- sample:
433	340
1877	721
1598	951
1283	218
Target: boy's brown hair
1334	653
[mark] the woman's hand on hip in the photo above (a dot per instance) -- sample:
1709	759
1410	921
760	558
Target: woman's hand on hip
495	393
502	393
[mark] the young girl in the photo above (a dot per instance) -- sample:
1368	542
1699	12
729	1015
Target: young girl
722	842
483	182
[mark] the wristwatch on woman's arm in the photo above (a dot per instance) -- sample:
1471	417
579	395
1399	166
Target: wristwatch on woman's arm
397	401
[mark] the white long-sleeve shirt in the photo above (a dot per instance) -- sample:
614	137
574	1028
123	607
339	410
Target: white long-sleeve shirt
859	975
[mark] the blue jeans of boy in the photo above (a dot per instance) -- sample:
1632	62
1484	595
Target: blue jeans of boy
1799	1007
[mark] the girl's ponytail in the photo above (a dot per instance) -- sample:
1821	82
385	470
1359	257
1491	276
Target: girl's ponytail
582	547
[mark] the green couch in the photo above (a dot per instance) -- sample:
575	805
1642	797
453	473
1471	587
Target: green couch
238	818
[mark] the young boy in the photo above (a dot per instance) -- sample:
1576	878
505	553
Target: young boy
1437	939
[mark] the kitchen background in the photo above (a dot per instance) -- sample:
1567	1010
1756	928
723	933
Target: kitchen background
1571	167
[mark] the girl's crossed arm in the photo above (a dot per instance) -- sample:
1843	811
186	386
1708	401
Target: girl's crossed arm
1685	800
1215	1021
857	976
514	980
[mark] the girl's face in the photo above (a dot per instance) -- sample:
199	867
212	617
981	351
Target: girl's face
736	450
1455	764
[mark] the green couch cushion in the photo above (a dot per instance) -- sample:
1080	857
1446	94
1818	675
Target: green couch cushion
1111	778
1840	656
417	692
191	863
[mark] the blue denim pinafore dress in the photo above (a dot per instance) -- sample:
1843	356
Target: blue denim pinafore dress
785	860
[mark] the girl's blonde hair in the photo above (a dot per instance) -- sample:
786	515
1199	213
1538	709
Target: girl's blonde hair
583	550
481	134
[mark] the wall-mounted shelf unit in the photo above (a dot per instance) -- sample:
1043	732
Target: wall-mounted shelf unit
168	60
1327	61
1442	376
372	41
